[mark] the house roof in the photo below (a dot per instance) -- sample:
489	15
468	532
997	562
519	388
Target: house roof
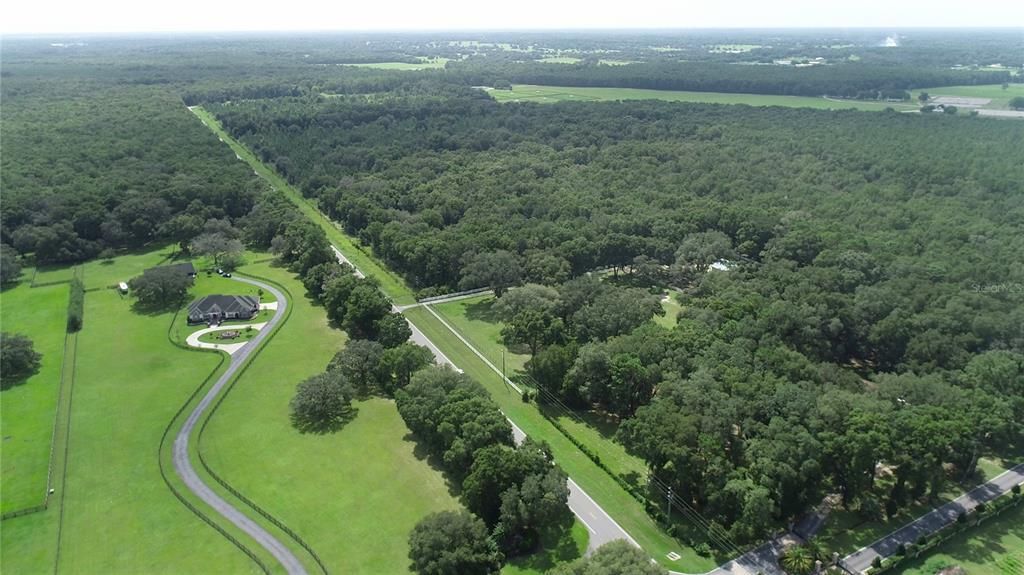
222	304
185	268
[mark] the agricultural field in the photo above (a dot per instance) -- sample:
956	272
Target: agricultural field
129	381
549	94
29	407
559	60
423	64
994	548
998	97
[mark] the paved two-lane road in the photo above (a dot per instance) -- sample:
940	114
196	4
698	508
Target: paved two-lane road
187	473
935	519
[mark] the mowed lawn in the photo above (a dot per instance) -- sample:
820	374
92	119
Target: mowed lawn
108	273
994	548
550	94
353	495
119	516
27	409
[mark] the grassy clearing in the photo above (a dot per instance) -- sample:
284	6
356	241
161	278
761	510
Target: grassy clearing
613	498
390	283
107	273
475	320
423	64
995	92
550	94
28	408
354	495
672	308
994	548
617	62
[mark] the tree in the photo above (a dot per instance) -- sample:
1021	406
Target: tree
615	558
699	250
182	229
402	361
160	288
534	328
360	364
10	268
18	358
923	97
321	404
365	306
797	560
615	311
1017	102
453	543
336	291
528	297
538	504
392	330
498	270
222	248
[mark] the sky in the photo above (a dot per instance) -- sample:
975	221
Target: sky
120	16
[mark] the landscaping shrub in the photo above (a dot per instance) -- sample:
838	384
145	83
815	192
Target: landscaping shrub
76	305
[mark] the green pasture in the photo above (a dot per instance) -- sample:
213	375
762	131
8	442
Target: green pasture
567	547
353	495
27	408
550	94
100	273
996	547
114	511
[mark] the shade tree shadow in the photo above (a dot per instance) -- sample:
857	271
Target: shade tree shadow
421	453
307	426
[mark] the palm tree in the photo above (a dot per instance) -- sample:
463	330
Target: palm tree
797	560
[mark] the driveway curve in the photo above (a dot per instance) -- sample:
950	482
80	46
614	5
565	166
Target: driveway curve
187	473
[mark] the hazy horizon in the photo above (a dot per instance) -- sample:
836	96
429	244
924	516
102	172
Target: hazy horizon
114	17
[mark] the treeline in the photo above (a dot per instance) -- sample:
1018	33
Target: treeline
848	79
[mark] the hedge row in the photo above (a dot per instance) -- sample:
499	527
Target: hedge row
76	305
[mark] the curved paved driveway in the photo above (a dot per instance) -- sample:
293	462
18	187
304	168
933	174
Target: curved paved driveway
183	465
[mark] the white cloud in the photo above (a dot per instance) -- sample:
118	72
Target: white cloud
62	16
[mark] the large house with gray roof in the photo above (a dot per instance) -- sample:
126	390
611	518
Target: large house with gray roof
214	309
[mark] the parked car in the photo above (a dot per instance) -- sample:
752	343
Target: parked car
220	271
227	274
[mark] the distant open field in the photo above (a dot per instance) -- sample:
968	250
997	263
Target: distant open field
999	97
424	64
558	60
28	408
549	94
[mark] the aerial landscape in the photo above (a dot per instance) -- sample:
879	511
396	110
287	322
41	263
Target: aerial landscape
692	291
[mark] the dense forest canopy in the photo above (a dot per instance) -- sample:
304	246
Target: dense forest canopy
875	293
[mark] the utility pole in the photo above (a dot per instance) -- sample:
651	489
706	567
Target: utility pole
670	505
